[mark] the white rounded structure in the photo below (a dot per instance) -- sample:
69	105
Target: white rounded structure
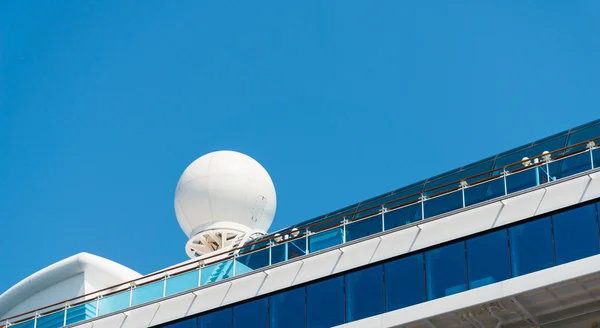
222	197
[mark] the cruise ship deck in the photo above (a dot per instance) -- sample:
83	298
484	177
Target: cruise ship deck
509	241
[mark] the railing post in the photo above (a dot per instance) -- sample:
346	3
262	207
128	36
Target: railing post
546	158
234	266
131	294
463	186
422	198
504	174
199	274
165	285
306	241
591	145
97	305
344	230
383	210
65	315
537	171
35	319
270	252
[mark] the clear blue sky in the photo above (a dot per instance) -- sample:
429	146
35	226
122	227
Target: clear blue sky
104	103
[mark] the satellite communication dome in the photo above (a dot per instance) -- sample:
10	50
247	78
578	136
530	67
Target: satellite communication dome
221	198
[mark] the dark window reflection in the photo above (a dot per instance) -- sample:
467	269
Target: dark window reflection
222	319
364	293
189	323
287	309
446	270
443	204
325	303
254	314
575	234
363	228
404	282
531	247
488	259
402	216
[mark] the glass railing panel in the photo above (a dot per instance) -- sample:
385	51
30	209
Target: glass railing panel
288	250
255	260
484	191
81	312
52	320
241	268
146	293
24	324
402	216
364	227
443	204
182	282
570	165
215	272
113	303
596	153
325	239
523	179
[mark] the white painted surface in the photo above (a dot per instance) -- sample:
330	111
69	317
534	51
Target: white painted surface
224	186
173	309
209	298
140	317
74	276
114	321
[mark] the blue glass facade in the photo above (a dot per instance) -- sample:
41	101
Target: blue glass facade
464	264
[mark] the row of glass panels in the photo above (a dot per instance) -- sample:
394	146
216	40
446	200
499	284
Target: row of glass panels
564	139
266	253
422	276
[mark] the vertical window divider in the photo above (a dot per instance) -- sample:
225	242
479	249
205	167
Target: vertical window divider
553	239
467	284
510	270
597	224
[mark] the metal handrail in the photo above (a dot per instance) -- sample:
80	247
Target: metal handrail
302	229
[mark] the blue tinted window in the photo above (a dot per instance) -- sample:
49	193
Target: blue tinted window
522	180
488	260
325	239
221	318
253	314
189	323
256	260
443	204
363	228
287	309
402	216
364	293
569	166
404	282
484	191
325	303
531	247
446	270
288	251
575	234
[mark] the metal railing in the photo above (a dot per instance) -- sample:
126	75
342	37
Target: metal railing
311	237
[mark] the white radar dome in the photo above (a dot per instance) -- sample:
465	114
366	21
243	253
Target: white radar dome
223	196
